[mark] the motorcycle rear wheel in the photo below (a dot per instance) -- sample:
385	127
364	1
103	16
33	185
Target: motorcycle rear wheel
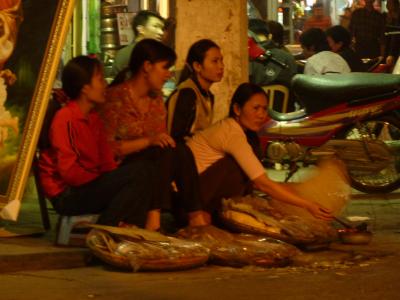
386	129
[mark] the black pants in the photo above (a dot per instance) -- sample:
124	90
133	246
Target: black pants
223	179
125	194
172	165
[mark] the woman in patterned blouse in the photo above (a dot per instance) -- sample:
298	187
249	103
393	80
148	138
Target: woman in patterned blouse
135	119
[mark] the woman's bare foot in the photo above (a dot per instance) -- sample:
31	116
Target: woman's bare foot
199	218
153	220
126	225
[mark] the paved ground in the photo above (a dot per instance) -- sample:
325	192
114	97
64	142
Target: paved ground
371	274
343	272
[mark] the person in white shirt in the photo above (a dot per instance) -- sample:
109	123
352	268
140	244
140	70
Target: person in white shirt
226	160
320	60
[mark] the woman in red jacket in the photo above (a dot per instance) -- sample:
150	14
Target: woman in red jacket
78	172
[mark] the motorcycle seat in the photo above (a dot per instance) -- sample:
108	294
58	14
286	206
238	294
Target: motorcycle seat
290	116
318	92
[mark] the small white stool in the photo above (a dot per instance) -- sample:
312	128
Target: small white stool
66	236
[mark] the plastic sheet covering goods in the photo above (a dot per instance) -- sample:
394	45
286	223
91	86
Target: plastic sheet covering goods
138	249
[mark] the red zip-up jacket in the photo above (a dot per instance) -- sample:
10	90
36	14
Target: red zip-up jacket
79	151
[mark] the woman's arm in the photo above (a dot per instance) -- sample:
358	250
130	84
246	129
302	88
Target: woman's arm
69	165
183	114
283	192
108	162
162	140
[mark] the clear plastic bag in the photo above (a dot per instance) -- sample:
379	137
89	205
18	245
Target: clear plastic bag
128	249
238	250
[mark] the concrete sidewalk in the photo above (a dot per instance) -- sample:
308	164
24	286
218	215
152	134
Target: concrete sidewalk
38	252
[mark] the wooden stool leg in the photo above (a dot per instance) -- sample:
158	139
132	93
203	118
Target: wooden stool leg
44	213
42	199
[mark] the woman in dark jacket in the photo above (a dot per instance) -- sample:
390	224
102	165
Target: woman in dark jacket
339	40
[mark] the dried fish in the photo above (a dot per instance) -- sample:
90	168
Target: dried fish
128	252
253	214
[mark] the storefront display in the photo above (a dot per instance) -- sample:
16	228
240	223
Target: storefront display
103	27
110	33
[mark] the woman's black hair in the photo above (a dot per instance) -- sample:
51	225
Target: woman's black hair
197	53
146	50
78	72
258	26
314	37
339	34
277	31
243	94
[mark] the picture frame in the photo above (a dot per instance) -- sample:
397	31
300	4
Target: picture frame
32	36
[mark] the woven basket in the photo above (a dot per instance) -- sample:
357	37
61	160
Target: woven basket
101	243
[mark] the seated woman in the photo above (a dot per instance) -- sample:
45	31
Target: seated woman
77	171
320	60
235	139
135	118
190	107
339	40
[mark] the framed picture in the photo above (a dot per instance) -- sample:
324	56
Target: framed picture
32	35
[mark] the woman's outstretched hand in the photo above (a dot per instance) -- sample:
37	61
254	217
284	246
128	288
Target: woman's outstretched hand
162	140
319	211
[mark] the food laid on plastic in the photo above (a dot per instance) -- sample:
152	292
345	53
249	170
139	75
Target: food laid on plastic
238	250
252	214
277	226
138	249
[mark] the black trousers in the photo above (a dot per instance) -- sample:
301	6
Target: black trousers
172	165
223	179
125	194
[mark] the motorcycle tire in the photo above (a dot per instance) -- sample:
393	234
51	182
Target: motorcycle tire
386	129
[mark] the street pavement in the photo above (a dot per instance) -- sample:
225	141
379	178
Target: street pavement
33	268
371	273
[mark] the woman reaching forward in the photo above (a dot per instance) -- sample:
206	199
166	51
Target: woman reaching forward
226	160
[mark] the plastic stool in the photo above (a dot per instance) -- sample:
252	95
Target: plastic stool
65	229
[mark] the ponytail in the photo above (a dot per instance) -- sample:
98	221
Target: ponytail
121	76
197	53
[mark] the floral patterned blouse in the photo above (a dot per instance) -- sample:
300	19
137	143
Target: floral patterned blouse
127	116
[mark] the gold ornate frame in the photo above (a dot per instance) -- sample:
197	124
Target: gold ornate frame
10	201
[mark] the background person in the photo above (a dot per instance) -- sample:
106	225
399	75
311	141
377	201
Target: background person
277	34
145	25
345	18
392	41
191	105
339	40
318	19
367	27
235	139
278	69
269	71
320	59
